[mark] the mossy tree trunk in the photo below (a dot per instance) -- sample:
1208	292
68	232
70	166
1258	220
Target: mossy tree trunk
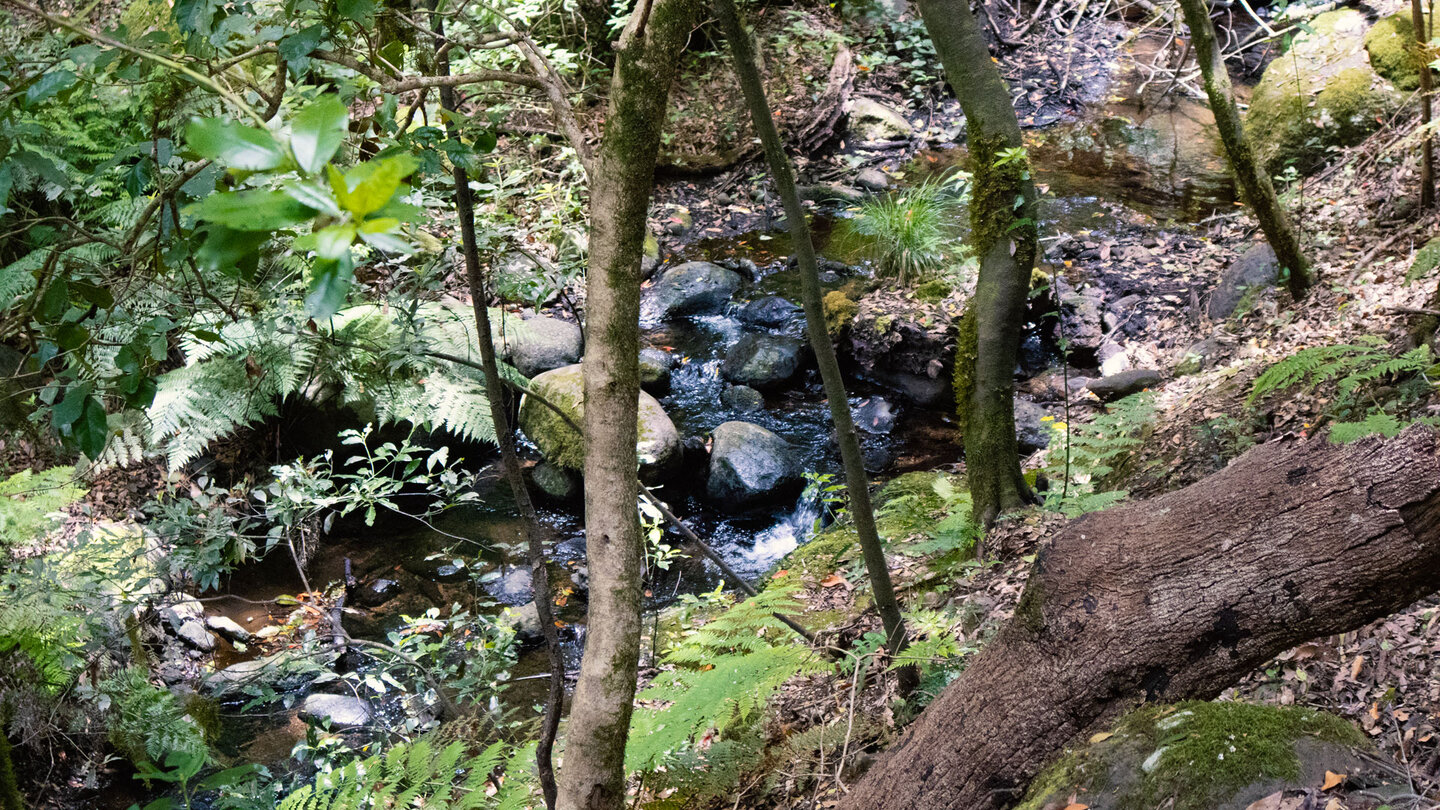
1249	173
1003	227
857	483
1175	598
509	459
646	59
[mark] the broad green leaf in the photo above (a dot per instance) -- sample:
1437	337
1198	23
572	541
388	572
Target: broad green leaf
387	242
68	411
318	131
235	145
313	196
360	11
296	48
333	243
367	188
231	252
329	283
251	210
48	86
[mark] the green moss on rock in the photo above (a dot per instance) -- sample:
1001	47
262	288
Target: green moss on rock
933	291
840	310
1322	94
1197	756
657	441
1393	50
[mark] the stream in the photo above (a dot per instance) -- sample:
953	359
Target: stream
1161	161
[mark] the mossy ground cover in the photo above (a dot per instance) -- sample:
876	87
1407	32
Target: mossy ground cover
1189	756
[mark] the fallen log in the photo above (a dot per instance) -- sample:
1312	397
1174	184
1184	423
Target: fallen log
1172	598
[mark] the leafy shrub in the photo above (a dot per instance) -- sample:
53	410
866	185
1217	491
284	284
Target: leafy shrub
28	499
1083	459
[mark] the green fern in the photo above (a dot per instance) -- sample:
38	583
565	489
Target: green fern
417	775
1351	364
28	500
146	722
1377	423
724	674
1080	479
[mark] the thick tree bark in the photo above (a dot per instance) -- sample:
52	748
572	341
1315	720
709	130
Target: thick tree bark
1173	598
593	776
509	459
857	484
1249	173
1003	230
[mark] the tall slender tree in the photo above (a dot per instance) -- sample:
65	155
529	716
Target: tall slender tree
647	55
1249	173
857	484
1003	230
1422	24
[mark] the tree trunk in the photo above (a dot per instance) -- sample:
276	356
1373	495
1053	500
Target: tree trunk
593	776
857	484
1249	173
1174	598
1427	143
509	459
1003	231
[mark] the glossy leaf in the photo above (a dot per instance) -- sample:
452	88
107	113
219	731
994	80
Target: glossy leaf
318	131
48	86
252	210
235	145
368	187
329	284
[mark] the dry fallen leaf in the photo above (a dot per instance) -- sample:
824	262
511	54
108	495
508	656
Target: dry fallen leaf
1332	779
1271	802
833	581
1102	736
1077	806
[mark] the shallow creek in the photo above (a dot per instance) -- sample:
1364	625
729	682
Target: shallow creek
1160	160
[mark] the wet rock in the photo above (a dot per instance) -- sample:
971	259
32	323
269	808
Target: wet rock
872	179
538	344
1031	432
830	192
696	464
377	592
1256	270
513	587
1119	386
283	670
750	466
870	121
658	443
742	399
193	632
336	711
678	221
875	415
180	609
771	311
763	361
655	366
438	569
905	347
692	288
228	628
650	258
525	620
556	482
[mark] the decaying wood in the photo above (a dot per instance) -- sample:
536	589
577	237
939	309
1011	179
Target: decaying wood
1173	598
830	106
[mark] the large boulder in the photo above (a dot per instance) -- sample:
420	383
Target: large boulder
692	288
904	345
872	121
763	361
1119	386
750	466
1200	756
658	442
1393	50
1321	95
536	345
1256	270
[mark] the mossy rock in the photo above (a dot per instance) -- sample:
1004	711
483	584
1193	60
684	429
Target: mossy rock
1426	260
1394	53
934	291
1321	95
658	441
840	310
1198	756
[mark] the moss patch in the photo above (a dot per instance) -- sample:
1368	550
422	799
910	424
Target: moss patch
840	310
1394	53
934	291
1321	95
1197	755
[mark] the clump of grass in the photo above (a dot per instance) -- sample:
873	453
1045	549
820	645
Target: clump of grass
913	232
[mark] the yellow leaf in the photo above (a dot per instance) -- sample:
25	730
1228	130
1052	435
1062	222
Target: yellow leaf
1077	806
1102	737
1332	779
